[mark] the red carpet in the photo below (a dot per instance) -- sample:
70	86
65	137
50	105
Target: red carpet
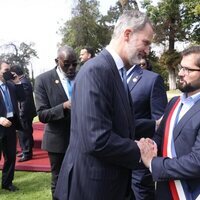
40	161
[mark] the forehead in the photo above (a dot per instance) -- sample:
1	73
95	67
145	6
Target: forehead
67	55
4	66
83	51
146	33
189	60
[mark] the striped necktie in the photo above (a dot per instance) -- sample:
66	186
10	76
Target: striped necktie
124	79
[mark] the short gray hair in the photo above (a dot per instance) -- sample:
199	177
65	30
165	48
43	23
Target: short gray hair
130	18
67	49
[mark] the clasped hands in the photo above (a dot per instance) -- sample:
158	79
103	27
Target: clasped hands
148	150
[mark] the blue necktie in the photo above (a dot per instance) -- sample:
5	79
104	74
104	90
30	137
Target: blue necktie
124	79
6	98
69	86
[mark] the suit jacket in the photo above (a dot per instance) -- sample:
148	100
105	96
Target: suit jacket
27	107
101	153
17	94
186	166
148	95
49	98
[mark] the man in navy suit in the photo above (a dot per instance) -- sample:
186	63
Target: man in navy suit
177	170
149	99
102	151
53	103
27	112
10	93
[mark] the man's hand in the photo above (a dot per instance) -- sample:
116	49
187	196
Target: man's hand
67	105
16	79
148	150
5	122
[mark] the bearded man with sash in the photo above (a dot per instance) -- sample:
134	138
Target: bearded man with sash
176	169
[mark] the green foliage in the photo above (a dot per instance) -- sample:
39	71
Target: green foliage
175	18
86	28
170	59
32	185
18	54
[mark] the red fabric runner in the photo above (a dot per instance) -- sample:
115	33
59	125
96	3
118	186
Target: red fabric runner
40	161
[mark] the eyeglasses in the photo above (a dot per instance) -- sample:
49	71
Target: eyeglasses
67	64
186	70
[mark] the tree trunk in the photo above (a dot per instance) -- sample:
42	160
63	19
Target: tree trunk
172	79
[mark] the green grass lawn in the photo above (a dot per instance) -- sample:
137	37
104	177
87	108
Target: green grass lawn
32	186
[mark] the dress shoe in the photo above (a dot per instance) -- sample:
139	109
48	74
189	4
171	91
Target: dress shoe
10	188
25	158
19	155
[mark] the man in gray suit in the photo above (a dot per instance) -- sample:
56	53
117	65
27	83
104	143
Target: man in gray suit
102	151
53	104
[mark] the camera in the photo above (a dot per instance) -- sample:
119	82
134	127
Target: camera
8	76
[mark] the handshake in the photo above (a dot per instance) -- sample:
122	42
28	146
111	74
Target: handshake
148	150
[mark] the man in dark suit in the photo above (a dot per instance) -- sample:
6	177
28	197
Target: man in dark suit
149	99
85	54
177	170
53	102
27	113
102	151
10	93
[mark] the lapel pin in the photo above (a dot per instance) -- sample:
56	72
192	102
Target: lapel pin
56	81
135	79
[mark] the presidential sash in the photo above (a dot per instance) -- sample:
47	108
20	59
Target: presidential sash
179	189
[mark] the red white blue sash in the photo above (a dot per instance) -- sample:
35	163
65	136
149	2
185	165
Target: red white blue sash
179	189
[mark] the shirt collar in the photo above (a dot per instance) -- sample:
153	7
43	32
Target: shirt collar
61	74
194	98
118	61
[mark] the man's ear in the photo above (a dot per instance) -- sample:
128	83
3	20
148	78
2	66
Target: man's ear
89	55
127	34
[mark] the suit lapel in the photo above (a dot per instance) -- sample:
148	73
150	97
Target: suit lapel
118	83
185	118
57	83
135	77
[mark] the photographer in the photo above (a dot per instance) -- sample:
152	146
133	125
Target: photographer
10	93
27	112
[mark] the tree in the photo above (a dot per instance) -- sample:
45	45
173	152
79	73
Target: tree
18	54
86	27
175	20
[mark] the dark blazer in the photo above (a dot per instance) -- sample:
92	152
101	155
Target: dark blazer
27	107
101	153
49	98
186	166
16	94
148	94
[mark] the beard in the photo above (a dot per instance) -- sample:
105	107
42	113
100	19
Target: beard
189	87
134	56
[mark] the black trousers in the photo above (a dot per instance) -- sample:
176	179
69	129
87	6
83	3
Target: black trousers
9	154
25	136
55	162
142	184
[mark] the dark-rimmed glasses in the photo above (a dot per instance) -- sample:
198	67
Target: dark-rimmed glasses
186	70
68	64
